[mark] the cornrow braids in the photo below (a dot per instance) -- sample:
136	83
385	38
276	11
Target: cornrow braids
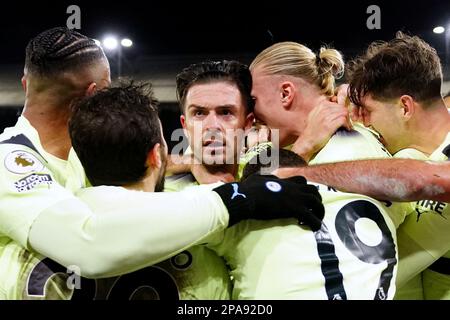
60	49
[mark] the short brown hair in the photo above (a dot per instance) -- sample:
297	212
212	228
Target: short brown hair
404	65
204	72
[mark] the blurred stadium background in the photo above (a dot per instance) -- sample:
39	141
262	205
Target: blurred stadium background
169	36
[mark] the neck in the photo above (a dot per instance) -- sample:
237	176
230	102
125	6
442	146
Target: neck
146	185
308	101
427	136
51	123
205	174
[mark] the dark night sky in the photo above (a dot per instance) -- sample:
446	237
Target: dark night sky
169	27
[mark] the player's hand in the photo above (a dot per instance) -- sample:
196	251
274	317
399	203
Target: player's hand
341	95
356	113
322	123
177	164
268	197
259	133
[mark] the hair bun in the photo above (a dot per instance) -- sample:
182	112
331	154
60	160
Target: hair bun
330	61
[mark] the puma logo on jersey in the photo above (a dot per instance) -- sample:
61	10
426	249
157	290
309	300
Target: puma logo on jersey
236	192
24	162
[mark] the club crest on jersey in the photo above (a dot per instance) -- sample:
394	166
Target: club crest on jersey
273	186
32	181
22	162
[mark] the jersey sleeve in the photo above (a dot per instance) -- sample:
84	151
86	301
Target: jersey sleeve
40	214
27	187
422	238
139	229
357	144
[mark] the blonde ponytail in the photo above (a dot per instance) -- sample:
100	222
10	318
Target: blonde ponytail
294	59
330	66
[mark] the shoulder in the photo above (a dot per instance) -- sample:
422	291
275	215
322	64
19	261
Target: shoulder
22	167
179	181
359	143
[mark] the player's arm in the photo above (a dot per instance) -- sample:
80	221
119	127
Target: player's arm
38	213
323	121
422	240
387	179
143	228
138	230
177	164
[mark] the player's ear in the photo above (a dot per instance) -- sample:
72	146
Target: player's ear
249	120
287	93
154	157
91	89
24	83
183	124
408	106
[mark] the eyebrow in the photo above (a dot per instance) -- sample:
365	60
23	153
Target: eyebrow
191	106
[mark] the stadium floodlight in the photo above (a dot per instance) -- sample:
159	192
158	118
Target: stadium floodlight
439	29
114	46
446	32
110	43
126	42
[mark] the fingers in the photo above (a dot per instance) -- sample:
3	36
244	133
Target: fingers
307	205
313	208
342	96
311	220
338	119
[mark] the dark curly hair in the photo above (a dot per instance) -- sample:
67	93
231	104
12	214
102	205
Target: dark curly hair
405	65
113	131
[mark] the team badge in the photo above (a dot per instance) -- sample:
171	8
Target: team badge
273	186
22	162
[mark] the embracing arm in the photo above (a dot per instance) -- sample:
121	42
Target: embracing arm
388	179
140	229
